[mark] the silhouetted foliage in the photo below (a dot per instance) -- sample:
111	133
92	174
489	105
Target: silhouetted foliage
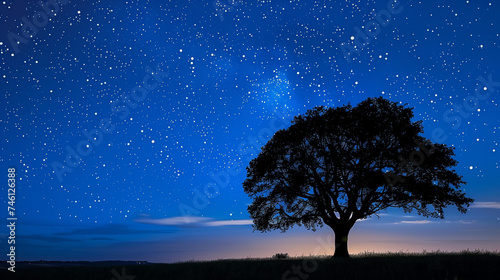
335	166
280	256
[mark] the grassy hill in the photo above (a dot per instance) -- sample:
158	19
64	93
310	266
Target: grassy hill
437	266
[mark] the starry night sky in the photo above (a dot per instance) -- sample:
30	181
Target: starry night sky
178	96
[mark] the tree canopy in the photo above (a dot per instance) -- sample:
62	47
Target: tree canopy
334	166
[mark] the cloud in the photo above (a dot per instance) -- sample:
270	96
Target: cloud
101	238
173	221
57	239
51	239
93	233
484	204
464	222
111	229
192	221
415	222
229	223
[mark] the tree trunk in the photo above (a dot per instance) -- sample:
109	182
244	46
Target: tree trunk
341	235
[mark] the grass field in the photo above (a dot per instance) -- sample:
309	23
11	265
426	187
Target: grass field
397	266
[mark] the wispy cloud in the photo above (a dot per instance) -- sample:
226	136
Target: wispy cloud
415	222
51	239
109	230
485	204
173	221
191	221
374	217
466	222
229	223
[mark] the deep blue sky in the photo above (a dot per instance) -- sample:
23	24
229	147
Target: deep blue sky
227	75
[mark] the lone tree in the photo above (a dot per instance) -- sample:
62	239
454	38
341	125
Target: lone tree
334	166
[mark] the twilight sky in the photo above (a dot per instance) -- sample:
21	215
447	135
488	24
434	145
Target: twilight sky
130	123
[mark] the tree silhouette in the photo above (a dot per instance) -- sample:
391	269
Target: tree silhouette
334	166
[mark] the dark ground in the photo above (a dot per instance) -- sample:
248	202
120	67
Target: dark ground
437	266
